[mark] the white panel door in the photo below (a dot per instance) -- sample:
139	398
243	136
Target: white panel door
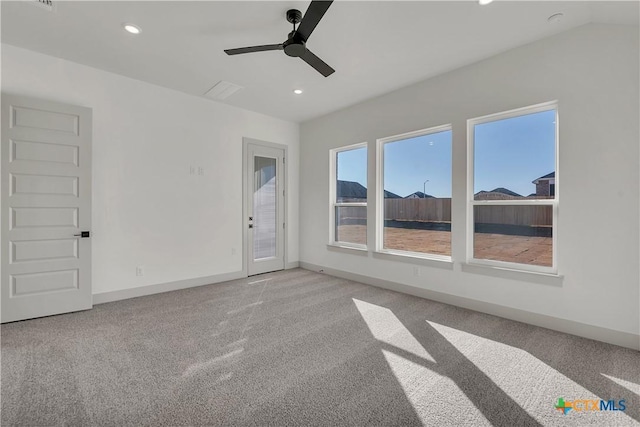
265	201
46	207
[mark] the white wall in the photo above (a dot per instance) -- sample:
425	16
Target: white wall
147	209
593	72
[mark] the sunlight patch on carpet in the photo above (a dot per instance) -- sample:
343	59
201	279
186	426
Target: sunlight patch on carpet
425	390
385	327
631	386
528	381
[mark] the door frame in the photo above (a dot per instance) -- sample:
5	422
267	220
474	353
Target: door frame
245	193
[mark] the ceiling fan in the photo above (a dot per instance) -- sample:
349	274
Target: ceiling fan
295	45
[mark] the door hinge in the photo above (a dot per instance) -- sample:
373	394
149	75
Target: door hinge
283	225
283	160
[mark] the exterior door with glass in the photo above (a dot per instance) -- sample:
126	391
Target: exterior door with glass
265	209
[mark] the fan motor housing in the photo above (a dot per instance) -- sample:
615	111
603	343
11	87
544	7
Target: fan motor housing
294	48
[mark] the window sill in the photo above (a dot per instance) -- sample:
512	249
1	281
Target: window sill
356	250
508	273
438	261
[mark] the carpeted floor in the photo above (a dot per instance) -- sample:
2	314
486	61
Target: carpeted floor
301	348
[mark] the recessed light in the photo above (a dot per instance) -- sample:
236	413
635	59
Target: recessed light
484	2
556	18
297	91
133	29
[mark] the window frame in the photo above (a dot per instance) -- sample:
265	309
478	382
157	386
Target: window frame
333	203
471	203
379	223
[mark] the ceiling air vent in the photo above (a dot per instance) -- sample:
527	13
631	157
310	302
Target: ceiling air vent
44	4
222	90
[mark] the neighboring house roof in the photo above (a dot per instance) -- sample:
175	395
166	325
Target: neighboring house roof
419	195
500	190
355	190
350	190
496	194
547	177
505	191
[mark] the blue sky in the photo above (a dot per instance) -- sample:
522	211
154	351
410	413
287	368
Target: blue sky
508	153
513	152
408	163
352	165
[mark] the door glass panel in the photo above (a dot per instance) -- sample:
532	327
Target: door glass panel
264	208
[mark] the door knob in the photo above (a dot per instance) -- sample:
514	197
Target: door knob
83	234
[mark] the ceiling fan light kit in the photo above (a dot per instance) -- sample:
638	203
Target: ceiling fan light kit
296	43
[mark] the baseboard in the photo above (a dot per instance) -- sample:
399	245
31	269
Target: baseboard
623	339
141	291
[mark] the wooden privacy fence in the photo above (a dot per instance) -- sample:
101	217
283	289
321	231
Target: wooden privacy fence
514	215
430	209
435	209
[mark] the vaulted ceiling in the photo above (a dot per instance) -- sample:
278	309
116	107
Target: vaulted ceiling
375	47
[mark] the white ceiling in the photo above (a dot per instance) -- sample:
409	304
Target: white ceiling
375	47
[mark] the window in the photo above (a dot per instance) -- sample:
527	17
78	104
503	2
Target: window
349	196
415	193
513	189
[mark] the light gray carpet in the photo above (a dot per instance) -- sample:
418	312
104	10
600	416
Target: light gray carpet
301	348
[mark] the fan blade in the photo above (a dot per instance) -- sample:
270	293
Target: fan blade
317	63
251	49
312	16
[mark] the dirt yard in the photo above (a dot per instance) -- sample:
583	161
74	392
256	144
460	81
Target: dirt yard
499	247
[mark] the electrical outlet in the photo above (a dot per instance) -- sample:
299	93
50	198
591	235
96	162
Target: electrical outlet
192	170
140	270
233	251
200	171
416	271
